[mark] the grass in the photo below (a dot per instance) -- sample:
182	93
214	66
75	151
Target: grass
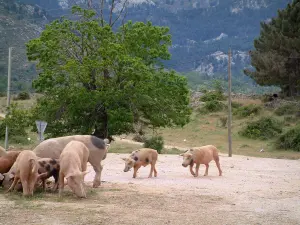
202	130
22	103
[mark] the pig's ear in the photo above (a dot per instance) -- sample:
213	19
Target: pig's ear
181	154
1	177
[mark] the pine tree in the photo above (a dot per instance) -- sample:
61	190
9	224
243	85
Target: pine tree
276	57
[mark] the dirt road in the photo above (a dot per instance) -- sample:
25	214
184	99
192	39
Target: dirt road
251	191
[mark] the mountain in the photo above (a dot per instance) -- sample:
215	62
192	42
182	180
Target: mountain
202	30
18	23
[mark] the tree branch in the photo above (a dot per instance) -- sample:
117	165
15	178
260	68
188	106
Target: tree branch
123	7
101	12
111	11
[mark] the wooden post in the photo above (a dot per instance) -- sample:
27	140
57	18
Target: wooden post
229	105
8	94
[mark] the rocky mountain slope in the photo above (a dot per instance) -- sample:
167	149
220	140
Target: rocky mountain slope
202	30
18	24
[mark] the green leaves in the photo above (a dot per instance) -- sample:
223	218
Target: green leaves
277	50
97	79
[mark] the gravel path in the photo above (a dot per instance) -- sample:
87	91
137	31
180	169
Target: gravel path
251	190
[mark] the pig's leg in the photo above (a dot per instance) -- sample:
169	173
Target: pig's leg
97	179
218	165
55	186
191	168
61	183
206	170
151	170
25	185
197	170
12	186
155	172
31	187
95	160
136	168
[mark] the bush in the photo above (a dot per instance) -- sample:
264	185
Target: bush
211	106
138	138
2	94
289	119
247	110
236	105
223	120
290	140
156	143
22	96
286	109
263	129
212	96
17	120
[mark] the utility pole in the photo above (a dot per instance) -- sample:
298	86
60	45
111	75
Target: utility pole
8	94
229	105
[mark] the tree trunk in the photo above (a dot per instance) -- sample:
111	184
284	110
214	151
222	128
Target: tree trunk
101	127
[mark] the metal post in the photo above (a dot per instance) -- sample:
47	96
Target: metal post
229	105
8	93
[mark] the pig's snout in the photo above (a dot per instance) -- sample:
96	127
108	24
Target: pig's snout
184	165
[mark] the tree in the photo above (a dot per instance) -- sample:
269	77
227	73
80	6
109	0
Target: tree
277	51
95	79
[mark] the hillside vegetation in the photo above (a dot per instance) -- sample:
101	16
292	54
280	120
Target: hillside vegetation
209	128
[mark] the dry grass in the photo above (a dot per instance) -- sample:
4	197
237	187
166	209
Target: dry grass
22	103
202	130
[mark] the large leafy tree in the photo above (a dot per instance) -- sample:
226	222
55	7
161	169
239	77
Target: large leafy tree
276	57
95	79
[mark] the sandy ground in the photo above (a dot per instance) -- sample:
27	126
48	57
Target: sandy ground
251	191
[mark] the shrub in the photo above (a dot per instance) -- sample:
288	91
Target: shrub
212	106
212	96
223	121
138	138
290	139
2	94
22	96
289	119
286	109
263	129
236	105
17	120
247	110
156	143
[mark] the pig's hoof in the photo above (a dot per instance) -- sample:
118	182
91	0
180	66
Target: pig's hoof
96	184
195	175
150	177
205	174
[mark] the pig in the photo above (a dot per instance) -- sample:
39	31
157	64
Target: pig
26	171
201	155
2	152
73	165
2	177
141	157
8	160
8	178
53	147
49	167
